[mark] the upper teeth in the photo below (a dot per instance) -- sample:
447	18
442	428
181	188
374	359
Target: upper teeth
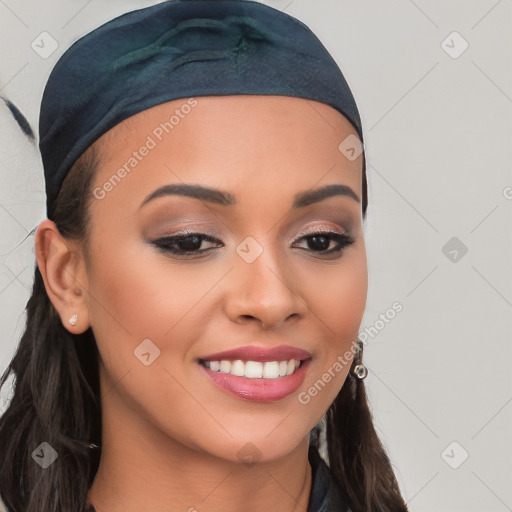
254	369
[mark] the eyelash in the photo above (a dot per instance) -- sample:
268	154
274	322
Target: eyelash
165	243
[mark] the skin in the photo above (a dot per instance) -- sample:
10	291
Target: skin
171	437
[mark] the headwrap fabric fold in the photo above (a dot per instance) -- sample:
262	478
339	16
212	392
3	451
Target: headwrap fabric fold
180	49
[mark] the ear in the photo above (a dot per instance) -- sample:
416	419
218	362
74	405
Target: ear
63	270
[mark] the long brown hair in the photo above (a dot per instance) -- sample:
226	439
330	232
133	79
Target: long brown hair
56	400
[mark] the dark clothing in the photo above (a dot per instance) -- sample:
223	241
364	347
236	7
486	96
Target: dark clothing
325	495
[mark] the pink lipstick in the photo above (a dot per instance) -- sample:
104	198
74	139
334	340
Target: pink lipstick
258	373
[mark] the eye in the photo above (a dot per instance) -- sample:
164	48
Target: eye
319	241
184	244
189	243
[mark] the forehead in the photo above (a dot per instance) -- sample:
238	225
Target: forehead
192	118
252	142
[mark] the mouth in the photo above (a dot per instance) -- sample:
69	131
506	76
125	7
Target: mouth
256	373
254	369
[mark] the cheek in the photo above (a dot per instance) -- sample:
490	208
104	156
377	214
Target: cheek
338	306
339	295
139	297
141	294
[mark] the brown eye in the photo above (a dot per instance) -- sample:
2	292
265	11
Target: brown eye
189	243
184	244
319	241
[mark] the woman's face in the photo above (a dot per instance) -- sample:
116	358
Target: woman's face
253	278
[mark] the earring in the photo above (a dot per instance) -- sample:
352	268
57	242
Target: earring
360	370
73	319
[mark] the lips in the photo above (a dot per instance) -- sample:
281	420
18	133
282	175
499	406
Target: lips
254	372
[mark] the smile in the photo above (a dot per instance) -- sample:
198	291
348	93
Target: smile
256	380
254	369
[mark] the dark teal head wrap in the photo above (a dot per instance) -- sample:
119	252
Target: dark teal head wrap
180	49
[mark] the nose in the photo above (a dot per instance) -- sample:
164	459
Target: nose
264	292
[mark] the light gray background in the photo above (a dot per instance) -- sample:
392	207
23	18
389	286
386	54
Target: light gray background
438	136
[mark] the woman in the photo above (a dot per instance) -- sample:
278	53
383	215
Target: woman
200	279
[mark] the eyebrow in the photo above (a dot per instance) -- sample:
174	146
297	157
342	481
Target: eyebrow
225	198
